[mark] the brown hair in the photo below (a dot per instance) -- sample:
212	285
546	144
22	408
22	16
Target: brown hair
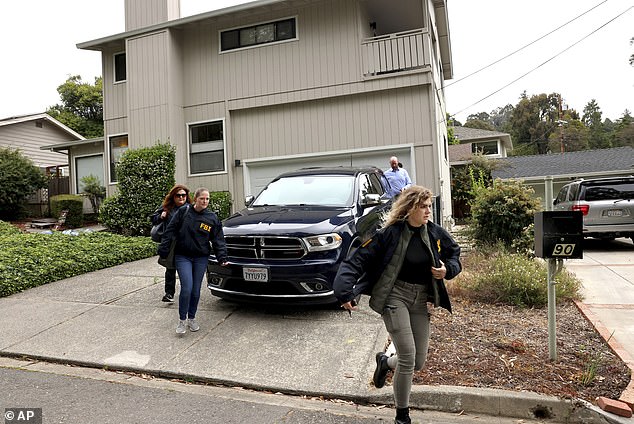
168	202
405	202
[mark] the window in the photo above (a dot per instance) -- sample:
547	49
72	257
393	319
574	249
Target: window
258	34
118	145
88	165
485	148
206	147
119	67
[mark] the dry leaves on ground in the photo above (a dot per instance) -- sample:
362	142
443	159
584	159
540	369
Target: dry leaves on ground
505	347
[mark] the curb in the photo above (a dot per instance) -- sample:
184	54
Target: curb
451	399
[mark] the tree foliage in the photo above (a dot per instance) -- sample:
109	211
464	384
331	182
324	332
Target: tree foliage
501	212
542	123
19	178
533	120
81	108
145	176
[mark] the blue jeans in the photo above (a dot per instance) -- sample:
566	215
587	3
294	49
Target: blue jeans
191	271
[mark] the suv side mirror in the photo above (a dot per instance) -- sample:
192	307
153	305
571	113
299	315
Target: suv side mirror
370	200
248	200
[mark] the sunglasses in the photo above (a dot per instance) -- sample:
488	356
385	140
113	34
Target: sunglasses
181	195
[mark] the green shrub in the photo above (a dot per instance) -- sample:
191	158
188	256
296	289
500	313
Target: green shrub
6	229
93	189
30	260
19	178
74	204
220	203
502	212
495	275
145	176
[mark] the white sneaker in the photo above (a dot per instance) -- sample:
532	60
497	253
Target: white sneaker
193	324
181	327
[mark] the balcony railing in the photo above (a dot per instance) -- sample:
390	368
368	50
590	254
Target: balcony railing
397	52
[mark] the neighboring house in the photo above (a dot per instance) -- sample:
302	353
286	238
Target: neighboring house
566	167
28	133
85	157
253	90
492	144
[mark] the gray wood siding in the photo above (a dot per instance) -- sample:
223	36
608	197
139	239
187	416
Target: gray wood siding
28	138
114	95
359	121
148	74
326	54
142	13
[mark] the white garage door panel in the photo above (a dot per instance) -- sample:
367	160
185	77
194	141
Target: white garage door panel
259	174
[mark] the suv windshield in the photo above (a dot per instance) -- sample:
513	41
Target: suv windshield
321	190
612	191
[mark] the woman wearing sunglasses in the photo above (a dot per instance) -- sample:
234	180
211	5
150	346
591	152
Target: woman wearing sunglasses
177	197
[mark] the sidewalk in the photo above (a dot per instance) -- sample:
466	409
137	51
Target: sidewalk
114	318
608	289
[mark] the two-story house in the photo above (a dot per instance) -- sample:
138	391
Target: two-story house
253	90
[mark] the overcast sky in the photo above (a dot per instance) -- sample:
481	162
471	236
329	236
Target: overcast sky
39	37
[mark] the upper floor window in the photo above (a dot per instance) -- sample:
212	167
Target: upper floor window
119	67
206	147
118	145
485	148
258	34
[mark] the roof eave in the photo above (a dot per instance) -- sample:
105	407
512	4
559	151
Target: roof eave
100	44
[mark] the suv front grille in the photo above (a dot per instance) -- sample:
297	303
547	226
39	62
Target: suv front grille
254	247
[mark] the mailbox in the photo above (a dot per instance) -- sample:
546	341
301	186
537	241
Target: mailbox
559	234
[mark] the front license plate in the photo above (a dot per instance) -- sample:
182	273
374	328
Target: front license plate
255	274
614	212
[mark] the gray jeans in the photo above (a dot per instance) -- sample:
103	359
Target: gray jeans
407	320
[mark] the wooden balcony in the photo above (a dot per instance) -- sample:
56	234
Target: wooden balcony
398	52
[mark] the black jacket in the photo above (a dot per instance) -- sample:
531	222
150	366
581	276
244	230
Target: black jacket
193	232
359	272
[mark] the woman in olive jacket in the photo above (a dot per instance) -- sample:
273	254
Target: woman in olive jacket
402	268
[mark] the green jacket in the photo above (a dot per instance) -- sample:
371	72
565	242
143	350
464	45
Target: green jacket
374	267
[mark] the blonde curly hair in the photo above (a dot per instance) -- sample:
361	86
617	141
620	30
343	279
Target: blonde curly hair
405	202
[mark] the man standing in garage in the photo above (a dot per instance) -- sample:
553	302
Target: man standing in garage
397	178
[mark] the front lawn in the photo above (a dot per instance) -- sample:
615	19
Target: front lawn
30	260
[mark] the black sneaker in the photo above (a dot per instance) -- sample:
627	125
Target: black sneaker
380	373
168	298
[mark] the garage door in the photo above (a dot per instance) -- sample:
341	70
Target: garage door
259	173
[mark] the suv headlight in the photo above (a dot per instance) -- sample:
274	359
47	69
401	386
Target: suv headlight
323	242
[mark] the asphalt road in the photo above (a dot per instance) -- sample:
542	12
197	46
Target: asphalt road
83	395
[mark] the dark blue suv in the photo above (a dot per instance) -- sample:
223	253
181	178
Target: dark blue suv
286	246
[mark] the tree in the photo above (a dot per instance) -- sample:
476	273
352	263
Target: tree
82	106
532	122
623	134
592	120
19	178
479	124
501	116
93	189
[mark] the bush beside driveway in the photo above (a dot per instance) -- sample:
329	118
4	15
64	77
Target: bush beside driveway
30	260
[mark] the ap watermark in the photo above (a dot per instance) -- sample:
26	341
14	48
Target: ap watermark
23	415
